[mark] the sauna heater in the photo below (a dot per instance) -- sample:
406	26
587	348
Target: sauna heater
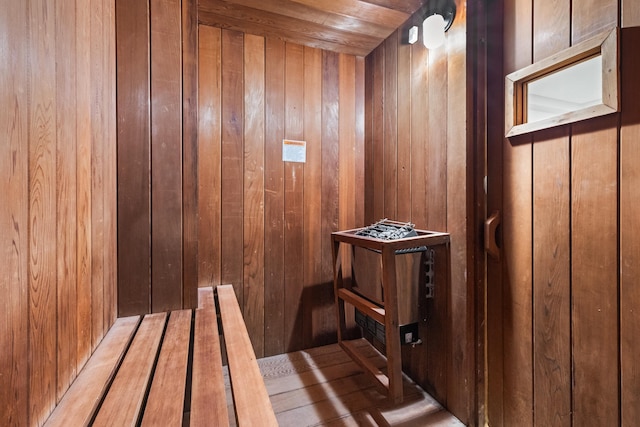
414	279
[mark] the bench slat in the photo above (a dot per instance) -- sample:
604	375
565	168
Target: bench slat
79	403
164	406
208	397
122	404
251	399
205	298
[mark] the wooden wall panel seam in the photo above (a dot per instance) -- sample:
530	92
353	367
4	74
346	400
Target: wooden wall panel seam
274	197
14	217
253	222
42	252
293	199
65	196
629	175
134	145
190	152
166	155
232	154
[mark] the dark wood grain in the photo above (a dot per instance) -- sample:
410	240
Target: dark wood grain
353	27
14	217
65	196
595	310
359	148
377	131
251	401
346	180
551	253
629	242
232	160
494	277
166	156
591	17
98	184
209	134
123	403
293	199
307	94
170	373
309	13
58	98
368	139
422	175
110	311
208	398
404	147
551	297
83	184
330	159
348	143
390	126
518	245
42	253
419	138
435	151
134	133
465	194
274	197
317	317
265	23
253	193
630	16
595	300
79	404
190	153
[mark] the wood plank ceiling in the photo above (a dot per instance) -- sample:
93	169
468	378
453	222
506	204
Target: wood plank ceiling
348	26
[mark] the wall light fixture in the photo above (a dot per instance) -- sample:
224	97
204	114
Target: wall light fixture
439	16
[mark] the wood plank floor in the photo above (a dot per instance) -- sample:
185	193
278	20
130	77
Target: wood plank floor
324	387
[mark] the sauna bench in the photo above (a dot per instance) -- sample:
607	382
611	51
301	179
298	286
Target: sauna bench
160	368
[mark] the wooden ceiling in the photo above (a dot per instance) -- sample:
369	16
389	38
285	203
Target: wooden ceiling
348	26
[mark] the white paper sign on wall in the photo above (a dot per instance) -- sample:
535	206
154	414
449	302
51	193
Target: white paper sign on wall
294	151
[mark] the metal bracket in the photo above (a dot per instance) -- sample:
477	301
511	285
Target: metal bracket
429	273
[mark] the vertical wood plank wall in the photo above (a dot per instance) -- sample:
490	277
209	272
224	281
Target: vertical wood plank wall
265	224
157	152
566	328
416	170
58	202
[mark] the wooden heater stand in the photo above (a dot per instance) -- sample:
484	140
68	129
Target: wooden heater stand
385	313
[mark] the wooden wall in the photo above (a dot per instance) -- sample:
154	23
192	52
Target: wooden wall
58	202
563	322
265	224
417	169
157	168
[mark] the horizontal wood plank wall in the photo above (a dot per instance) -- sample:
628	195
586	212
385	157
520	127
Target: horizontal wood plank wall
57	167
568	360
264	224
415	157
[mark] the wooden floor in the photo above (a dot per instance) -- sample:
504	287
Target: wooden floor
324	387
